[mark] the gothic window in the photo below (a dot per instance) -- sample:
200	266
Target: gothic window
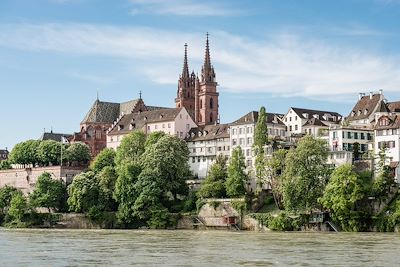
201	103
90	132
211	117
211	103
179	105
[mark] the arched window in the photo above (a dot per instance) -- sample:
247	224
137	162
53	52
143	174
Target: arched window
188	94
211	117
179	105
201	103
90	132
200	118
211	103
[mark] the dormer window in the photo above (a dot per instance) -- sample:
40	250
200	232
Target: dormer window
316	116
305	115
384	122
353	113
365	111
359	113
120	127
132	126
161	116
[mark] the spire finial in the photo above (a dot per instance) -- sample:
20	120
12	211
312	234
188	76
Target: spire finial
140	94
207	72
185	70
97	95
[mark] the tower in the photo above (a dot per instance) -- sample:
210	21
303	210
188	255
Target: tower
186	83
206	92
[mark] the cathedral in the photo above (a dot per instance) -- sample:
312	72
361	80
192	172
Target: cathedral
199	94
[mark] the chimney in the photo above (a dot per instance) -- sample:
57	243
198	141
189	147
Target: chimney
370	95
380	91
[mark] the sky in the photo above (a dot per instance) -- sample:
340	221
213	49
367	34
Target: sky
56	56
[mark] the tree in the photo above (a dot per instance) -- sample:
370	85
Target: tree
237	178
25	153
18	207
214	184
84	192
106	158
260	141
356	151
125	190
153	138
48	193
305	174
131	147
5	165
49	151
106	179
78	152
275	167
341	195
6	194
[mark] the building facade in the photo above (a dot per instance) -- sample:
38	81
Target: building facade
4	154
174	121
205	143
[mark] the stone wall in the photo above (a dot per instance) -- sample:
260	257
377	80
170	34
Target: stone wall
215	213
25	179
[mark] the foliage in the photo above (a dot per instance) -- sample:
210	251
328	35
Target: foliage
106	158
356	151
25	153
344	190
78	152
84	192
153	138
6	194
275	166
214	184
106	179
280	222
304	175
49	151
237	178
18	207
131	147
48	192
388	220
5	165
260	140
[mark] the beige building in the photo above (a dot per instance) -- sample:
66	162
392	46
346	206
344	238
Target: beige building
205	144
173	121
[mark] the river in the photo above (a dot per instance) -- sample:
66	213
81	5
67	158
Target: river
34	247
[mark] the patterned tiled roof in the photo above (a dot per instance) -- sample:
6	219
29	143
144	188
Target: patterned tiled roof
108	112
136	121
208	132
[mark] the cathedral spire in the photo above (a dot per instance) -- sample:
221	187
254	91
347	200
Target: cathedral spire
185	70
207	71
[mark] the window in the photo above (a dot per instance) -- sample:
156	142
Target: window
209	150
169	125
296	127
155	126
249	163
355	135
193	159
248	130
163	125
362	136
249	140
369	136
211	103
211	117
349	135
248	152
198	159
290	118
187	127
204	159
241	141
201	103
290	128
334	134
98	134
240	130
194	150
295	118
148	127
233	142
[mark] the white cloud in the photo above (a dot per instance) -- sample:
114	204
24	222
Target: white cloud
182	8
282	64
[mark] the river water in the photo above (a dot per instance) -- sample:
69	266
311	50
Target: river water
29	247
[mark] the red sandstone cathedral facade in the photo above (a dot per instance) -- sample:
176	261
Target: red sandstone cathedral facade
199	95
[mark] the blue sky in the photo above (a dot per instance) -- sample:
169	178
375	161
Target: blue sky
56	54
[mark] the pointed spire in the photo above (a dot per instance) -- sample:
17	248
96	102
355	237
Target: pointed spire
207	71
185	70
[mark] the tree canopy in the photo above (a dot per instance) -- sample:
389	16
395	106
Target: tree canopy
214	184
48	192
237	177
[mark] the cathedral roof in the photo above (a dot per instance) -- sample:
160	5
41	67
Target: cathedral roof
136	121
108	112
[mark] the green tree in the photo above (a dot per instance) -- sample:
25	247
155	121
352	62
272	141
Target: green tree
106	179
260	141
6	194
49	151
5	165
18	207
84	192
275	167
131	147
48	193
25	153
237	177
214	184
345	189
305	174
153	138
356	151
78	152
106	158
125	191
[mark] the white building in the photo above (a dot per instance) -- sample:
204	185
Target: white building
205	144
308	121
174	121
